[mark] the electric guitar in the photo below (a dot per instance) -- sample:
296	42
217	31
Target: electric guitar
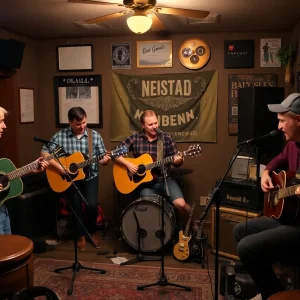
276	204
127	182
10	176
75	165
181	250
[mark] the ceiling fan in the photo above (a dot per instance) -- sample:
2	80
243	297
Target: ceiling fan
144	14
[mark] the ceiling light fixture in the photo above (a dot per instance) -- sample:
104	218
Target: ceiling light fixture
139	23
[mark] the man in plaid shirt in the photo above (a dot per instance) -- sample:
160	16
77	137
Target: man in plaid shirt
74	139
145	141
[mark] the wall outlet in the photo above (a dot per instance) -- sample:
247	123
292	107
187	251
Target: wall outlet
203	200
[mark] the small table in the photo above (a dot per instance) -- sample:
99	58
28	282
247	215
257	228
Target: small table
16	263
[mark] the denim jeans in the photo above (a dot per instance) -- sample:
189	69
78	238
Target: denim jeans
4	220
261	242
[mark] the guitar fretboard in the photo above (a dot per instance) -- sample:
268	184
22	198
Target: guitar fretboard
285	192
187	227
26	169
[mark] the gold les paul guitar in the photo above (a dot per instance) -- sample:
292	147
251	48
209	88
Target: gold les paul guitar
76	165
181	250
127	182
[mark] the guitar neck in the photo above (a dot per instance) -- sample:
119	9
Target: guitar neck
199	232
188	224
91	161
164	161
287	192
26	169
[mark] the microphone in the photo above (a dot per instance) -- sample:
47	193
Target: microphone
158	131
257	139
38	139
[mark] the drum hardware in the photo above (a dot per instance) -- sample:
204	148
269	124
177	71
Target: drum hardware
141	233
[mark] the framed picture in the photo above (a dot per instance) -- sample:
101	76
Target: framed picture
268	52
154	54
26	98
74	58
121	56
83	91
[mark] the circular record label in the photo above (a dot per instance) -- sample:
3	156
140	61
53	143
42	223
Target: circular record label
194	53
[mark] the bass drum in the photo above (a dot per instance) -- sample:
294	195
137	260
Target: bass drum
148	213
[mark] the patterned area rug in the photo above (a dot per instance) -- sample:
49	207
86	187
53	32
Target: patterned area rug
120	282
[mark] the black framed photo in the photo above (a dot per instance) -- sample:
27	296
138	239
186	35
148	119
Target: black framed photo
74	58
83	91
238	54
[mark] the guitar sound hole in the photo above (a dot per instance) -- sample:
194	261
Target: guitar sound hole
141	169
4	180
73	168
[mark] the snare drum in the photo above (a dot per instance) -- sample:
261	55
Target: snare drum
148	213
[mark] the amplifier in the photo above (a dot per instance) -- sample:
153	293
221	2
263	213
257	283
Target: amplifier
242	194
229	217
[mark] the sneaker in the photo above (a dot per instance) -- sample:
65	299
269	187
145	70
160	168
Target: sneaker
81	243
257	297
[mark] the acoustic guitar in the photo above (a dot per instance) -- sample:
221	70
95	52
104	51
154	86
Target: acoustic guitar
181	250
276	204
127	182
10	177
75	165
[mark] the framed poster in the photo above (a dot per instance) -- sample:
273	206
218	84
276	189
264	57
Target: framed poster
268	52
74	58
83	91
154	54
237	81
26	98
121	56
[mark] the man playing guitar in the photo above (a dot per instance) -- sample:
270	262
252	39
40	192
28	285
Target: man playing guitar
267	239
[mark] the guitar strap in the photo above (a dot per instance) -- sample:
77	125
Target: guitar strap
160	149
90	142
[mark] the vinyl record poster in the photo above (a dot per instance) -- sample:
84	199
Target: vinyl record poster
121	56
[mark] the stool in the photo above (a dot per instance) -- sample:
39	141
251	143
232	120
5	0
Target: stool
286	295
16	264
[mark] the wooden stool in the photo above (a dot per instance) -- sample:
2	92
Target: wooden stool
16	264
286	295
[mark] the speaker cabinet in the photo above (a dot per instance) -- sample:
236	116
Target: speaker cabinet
11	54
255	119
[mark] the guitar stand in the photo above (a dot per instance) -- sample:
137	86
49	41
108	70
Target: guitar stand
76	266
139	257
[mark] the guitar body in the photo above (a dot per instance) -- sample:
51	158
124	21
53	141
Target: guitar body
59	183
283	209
181	250
126	182
11	188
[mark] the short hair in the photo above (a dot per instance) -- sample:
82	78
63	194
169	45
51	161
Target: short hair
146	113
5	112
77	113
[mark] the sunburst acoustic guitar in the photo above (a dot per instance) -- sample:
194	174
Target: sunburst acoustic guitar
276	202
127	182
75	165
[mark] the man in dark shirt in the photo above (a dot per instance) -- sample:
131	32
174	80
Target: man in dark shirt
146	141
264	240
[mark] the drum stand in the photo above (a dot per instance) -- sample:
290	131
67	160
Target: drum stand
163	281
76	266
141	233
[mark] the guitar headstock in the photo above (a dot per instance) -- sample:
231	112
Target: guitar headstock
119	151
193	150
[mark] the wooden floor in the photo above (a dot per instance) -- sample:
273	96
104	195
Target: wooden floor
114	244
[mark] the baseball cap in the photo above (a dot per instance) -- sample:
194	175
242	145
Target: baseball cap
290	103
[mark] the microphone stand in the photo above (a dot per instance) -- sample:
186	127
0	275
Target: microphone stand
215	198
76	266
163	281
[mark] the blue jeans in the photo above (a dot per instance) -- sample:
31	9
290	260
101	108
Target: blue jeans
261	242
4	220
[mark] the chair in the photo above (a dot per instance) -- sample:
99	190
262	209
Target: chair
36	291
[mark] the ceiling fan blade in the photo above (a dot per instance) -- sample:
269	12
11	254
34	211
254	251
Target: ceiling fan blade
182	12
106	18
94	2
157	24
